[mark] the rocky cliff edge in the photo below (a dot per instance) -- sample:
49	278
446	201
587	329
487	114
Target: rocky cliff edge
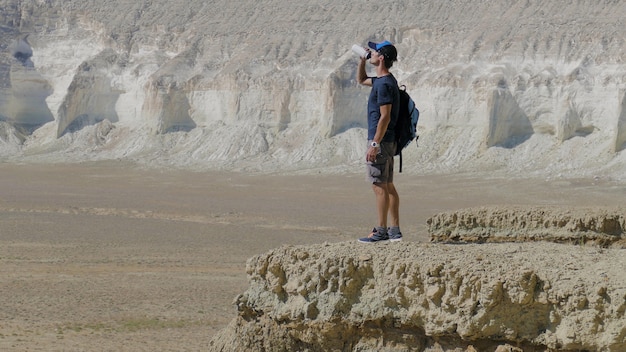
506	296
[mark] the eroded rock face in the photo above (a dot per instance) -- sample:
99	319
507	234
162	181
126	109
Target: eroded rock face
431	297
525	86
595	225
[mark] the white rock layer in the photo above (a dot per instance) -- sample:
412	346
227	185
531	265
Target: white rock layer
526	87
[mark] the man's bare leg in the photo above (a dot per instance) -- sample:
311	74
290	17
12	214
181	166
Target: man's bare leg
394	205
382	203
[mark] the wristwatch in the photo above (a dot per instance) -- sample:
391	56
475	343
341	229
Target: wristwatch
374	145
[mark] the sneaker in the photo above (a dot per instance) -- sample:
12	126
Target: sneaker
374	237
397	237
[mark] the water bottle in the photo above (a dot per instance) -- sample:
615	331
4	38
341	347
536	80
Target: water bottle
360	51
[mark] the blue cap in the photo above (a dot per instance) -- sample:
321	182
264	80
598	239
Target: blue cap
378	46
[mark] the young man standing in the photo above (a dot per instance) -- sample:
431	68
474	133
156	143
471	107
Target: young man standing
382	114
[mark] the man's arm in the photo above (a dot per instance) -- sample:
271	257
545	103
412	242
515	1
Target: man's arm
383	123
362	75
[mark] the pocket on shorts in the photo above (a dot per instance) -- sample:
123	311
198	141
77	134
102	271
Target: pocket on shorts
374	169
377	168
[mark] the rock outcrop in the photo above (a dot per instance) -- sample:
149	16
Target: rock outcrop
604	227
429	297
525	296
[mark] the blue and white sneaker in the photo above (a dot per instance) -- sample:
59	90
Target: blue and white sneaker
395	237
394	234
374	237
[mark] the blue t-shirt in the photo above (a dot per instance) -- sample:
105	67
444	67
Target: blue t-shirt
384	91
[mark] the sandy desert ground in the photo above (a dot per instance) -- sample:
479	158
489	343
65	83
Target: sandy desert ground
113	257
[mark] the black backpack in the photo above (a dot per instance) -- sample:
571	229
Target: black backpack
406	126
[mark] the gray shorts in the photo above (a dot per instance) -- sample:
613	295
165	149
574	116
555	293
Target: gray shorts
381	170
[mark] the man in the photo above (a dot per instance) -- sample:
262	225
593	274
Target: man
382	114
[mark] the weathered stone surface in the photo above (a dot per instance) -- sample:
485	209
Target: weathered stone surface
431	297
593	225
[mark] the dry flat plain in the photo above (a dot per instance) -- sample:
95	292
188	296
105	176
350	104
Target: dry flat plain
113	257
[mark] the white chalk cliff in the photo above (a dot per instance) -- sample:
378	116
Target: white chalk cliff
531	87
